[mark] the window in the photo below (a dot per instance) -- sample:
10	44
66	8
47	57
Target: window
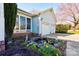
22	23
17	23
28	23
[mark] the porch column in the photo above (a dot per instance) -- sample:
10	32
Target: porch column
19	23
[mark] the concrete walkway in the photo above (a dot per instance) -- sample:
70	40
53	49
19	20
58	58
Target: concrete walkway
72	42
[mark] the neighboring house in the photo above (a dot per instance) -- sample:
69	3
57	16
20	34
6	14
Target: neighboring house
41	23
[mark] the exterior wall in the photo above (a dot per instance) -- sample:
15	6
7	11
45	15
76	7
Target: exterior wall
48	22
1	22
35	24
43	23
2	43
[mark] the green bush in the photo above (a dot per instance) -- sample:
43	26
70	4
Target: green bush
45	50
50	51
10	12
33	46
62	28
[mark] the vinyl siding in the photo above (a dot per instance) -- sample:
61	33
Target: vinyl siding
49	23
1	22
35	24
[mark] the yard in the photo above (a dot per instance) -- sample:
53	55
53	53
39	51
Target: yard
73	32
49	45
36	46
66	29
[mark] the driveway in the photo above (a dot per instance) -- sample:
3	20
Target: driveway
69	37
72	42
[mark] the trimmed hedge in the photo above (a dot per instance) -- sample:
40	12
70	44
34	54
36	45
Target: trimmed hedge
62	28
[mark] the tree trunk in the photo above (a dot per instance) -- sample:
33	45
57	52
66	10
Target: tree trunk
74	27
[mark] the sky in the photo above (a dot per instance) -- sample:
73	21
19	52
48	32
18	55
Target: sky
37	6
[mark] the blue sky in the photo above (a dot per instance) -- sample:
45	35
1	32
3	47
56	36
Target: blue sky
38	6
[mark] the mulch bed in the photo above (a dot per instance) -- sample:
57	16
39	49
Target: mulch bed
19	52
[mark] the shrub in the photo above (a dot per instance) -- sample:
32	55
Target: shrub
62	28
56	52
50	51
46	49
10	12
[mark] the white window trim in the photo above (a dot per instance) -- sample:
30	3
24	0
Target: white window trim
21	30
31	25
25	30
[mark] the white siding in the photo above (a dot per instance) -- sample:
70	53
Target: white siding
48	23
1	22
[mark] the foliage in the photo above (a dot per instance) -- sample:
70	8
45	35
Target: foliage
33	46
69	12
10	12
49	50
46	49
62	28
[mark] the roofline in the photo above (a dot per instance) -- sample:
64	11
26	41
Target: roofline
30	14
24	11
49	9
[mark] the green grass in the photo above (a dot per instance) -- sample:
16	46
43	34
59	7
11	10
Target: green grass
73	32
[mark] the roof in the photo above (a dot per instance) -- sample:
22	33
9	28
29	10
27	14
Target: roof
49	9
38	13
33	14
24	12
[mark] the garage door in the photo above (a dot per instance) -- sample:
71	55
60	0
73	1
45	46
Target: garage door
45	29
52	29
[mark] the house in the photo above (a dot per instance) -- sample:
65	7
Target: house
43	22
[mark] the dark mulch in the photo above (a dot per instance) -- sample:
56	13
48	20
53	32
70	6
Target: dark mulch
19	52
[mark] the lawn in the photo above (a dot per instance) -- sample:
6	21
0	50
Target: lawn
73	32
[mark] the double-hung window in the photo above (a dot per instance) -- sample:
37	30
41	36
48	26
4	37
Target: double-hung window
22	23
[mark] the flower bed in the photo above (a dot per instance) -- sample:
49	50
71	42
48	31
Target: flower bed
47	48
36	46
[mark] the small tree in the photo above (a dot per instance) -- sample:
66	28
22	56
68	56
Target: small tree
10	12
